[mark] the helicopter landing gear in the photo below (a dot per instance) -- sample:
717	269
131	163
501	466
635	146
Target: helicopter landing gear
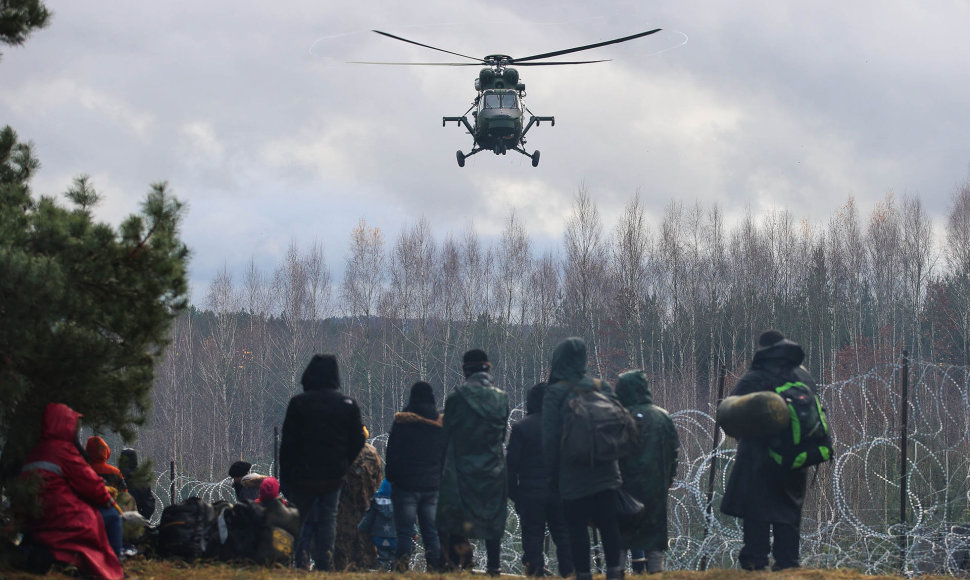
535	158
461	158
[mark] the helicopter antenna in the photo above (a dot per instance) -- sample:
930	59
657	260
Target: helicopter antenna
389	35
579	48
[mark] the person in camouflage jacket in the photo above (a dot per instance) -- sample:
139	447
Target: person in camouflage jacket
648	472
352	548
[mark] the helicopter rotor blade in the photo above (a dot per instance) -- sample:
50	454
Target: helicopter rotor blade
421	63
389	35
561	62
579	48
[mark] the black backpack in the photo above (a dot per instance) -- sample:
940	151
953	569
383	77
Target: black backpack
183	529
807	441
596	428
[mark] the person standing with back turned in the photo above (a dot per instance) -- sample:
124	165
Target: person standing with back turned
765	496
588	491
473	500
322	435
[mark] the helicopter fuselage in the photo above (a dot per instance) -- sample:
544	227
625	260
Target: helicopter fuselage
498	120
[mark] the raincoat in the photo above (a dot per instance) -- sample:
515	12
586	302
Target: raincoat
70	526
568	373
649	472
473	498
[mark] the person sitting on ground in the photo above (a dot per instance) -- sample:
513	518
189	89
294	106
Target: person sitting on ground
244	483
70	492
141	491
98	453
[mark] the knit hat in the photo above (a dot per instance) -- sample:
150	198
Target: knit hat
321	373
239	468
475	361
770	338
269	489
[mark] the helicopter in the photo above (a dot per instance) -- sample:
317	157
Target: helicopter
498	110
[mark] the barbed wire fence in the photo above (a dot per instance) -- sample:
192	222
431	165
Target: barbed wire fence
852	513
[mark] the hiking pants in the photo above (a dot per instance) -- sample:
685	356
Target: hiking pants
599	508
533	517
758	543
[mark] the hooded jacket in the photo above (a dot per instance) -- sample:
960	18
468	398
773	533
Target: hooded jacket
757	487
322	432
69	525
567	375
649	471
528	473
473	499
416	449
140	491
98	455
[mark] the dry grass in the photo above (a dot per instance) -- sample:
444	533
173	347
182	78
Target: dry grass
140	569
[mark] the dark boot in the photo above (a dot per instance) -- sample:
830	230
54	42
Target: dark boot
584	576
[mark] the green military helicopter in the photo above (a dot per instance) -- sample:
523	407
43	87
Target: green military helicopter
498	109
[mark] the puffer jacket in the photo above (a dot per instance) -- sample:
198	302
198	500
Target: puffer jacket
649	471
757	488
416	450
567	375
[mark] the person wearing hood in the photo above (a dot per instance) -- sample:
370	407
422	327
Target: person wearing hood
473	501
768	499
648	472
415	455
529	490
322	435
141	491
98	454
70	494
588	491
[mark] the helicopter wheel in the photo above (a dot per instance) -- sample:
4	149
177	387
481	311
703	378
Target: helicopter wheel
461	158
535	158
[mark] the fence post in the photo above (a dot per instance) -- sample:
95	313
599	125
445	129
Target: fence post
710	475
276	452
171	479
904	444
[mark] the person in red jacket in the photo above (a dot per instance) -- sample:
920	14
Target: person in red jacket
69	524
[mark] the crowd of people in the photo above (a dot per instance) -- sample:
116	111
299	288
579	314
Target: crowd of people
448	475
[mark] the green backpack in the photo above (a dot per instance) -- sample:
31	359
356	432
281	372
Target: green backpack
807	441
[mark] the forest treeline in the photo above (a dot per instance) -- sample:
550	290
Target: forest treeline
678	300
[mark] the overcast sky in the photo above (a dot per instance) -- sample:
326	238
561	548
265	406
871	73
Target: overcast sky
252	115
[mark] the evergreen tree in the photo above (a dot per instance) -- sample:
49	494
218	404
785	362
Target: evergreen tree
84	309
18	18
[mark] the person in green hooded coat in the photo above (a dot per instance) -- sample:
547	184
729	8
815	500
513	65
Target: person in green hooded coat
473	498
589	492
648	472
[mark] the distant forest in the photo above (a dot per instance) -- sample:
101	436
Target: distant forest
679	301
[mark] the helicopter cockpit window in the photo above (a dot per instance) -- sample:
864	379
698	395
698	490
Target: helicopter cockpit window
500	101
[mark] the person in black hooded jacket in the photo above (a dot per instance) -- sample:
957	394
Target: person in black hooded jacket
141	491
758	490
322	435
415	456
530	490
